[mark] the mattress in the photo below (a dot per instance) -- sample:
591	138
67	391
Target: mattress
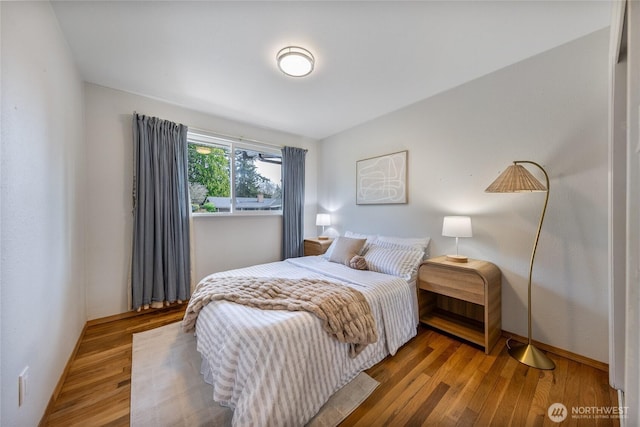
277	368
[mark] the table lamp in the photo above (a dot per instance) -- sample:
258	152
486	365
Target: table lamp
323	219
457	226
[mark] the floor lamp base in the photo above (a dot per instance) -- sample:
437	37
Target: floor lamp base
530	355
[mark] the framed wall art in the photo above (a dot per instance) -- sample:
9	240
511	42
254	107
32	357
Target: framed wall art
382	179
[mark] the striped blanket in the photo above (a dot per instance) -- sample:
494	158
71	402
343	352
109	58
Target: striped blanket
345	312
277	367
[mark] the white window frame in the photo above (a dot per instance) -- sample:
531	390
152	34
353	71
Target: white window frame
216	141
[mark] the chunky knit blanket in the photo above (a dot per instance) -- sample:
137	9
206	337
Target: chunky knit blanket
345	312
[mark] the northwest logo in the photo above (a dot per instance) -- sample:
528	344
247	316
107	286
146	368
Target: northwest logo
557	412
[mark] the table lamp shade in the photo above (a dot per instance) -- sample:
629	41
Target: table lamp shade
323	219
457	226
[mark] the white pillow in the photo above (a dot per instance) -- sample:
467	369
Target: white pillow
329	250
397	262
401	247
415	243
371	238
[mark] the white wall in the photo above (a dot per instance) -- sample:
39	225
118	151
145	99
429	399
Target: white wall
220	243
551	109
43	299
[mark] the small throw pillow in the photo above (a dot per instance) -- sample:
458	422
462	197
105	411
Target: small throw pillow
346	248
358	263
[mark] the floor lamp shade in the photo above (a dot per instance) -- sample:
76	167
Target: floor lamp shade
515	179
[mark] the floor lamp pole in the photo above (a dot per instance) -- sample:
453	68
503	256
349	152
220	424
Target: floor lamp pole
529	354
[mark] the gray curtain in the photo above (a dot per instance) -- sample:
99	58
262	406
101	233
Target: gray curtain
160	270
293	201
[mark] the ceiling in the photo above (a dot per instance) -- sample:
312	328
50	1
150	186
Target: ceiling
371	57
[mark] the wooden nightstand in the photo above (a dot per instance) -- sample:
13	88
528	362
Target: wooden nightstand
463	299
315	246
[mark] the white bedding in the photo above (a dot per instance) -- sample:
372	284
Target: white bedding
277	368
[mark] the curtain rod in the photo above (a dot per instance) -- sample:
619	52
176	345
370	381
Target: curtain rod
225	136
233	137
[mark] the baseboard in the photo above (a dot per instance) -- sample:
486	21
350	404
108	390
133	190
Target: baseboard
63	377
120	316
560	352
133	313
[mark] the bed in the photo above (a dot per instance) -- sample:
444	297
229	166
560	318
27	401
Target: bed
278	367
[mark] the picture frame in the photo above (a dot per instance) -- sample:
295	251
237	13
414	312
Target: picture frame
382	180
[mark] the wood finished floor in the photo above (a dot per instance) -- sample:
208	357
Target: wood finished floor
434	380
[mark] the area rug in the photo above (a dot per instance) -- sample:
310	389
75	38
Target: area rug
168	390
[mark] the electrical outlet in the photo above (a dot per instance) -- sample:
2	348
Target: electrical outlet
22	385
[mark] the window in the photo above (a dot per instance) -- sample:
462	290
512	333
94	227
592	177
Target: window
227	176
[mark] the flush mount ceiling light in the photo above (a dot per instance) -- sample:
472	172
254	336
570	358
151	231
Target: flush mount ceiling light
203	149
295	61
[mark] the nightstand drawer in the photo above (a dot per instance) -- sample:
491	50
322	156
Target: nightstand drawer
467	286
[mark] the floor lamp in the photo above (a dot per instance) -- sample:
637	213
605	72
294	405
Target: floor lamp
517	179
